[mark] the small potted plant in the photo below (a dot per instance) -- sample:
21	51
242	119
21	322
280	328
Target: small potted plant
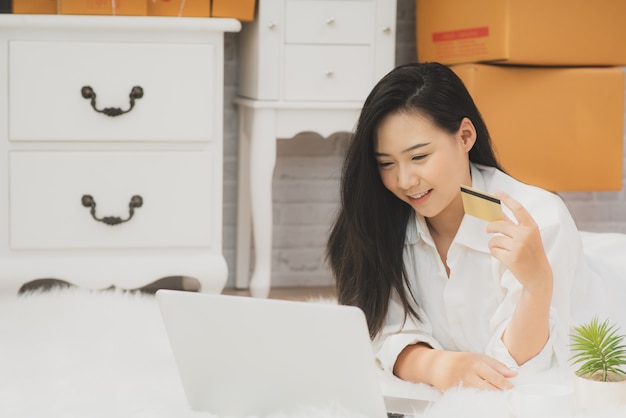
600	353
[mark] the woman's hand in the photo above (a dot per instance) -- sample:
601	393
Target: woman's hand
518	246
446	369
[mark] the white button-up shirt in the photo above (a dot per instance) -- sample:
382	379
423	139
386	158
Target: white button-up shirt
470	309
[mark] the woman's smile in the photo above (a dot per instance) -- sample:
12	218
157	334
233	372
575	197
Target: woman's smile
420	198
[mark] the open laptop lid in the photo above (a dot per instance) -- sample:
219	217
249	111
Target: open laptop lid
242	356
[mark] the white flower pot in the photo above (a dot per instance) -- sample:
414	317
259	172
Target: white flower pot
593	394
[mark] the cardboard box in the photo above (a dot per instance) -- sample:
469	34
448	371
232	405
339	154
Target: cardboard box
104	7
35	6
242	10
183	8
558	128
527	32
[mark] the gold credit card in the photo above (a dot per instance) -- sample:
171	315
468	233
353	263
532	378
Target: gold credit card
481	205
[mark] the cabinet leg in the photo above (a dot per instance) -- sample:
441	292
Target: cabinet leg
244	221
262	163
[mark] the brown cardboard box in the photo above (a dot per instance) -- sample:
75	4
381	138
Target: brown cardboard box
242	10
527	32
558	128
35	6
104	7
184	8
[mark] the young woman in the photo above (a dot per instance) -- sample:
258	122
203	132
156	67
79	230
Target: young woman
450	299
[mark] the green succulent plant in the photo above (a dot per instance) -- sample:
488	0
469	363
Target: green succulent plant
598	348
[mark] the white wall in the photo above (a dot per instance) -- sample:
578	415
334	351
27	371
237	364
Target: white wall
306	184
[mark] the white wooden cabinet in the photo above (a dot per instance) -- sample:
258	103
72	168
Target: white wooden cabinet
305	65
111	143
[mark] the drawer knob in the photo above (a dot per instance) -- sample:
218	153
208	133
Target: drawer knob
135	202
89	93
330	20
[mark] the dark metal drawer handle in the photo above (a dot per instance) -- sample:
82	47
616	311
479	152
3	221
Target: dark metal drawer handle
135	202
89	93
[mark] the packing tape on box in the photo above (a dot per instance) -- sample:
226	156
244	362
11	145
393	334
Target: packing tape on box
181	8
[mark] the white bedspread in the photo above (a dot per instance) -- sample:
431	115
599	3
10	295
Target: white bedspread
75	353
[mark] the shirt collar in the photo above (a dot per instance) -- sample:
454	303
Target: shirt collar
417	230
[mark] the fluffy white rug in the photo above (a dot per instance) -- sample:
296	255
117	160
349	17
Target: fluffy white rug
75	353
470	403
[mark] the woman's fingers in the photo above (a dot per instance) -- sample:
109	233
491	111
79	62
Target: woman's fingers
497	374
519	211
507	226
519	246
478	371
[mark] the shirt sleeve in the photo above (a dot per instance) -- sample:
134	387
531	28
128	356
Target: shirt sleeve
400	331
564	251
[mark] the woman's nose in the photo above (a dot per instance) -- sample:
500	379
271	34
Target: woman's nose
407	178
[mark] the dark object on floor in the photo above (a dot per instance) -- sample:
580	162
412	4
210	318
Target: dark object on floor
174	283
6	6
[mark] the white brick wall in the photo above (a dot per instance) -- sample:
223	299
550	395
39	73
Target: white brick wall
306	184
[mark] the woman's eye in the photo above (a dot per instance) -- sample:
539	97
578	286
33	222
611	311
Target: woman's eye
419	157
384	164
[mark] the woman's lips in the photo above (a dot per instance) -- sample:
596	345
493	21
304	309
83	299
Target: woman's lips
419	198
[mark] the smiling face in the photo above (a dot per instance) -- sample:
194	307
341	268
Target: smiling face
424	165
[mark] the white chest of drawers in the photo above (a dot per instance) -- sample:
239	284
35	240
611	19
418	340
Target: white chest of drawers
305	65
111	149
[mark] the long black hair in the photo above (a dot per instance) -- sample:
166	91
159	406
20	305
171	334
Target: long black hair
366	242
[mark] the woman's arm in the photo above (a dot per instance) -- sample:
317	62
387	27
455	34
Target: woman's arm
529	329
520	249
442	369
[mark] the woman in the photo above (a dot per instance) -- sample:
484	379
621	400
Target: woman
450	299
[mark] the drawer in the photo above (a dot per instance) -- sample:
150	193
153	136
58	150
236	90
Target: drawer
327	73
177	189
329	22
46	101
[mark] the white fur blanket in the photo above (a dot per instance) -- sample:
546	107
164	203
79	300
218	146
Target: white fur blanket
76	353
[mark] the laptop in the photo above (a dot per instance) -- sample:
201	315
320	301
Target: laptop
240	356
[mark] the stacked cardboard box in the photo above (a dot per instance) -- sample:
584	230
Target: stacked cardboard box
82	7
185	8
35	6
104	7
243	10
547	78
